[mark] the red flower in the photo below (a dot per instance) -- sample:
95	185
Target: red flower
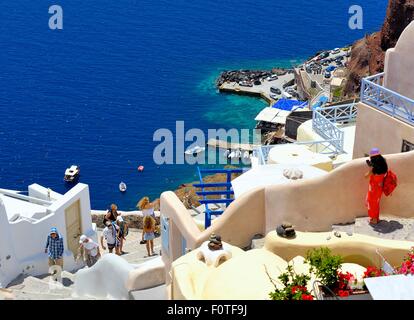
307	297
296	289
343	293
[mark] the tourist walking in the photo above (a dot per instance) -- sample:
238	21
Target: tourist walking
88	250
148	209
54	248
122	232
110	233
148	234
379	169
111	214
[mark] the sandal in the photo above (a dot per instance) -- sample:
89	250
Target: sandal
373	221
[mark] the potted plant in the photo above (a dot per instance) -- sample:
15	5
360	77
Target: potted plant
326	268
294	286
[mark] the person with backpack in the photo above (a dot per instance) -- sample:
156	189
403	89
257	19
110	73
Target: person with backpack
381	180
110	233
122	232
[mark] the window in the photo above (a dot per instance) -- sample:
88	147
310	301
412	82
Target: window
407	146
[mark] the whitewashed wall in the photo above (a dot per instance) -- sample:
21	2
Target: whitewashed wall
24	242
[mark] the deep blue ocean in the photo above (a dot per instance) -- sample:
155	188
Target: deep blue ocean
93	93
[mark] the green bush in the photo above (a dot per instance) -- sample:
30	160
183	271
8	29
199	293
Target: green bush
325	265
294	286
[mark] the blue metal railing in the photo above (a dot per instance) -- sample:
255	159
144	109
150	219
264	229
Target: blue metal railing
374	94
227	193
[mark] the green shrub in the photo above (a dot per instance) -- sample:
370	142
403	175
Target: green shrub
294	286
324	265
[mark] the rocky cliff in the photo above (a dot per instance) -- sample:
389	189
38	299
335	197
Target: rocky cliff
368	53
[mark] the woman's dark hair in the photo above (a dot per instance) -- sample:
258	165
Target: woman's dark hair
378	164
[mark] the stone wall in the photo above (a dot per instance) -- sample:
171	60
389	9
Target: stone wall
133	218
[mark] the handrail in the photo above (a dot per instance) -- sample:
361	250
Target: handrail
374	94
25	198
327	129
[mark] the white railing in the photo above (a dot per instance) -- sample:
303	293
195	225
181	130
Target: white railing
341	113
326	147
374	94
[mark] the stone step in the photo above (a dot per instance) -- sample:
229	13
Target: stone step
156	293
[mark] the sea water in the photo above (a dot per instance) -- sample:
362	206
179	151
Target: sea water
93	93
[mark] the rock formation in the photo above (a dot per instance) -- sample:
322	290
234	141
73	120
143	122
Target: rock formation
368	53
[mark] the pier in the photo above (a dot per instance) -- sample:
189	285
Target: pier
262	90
216	143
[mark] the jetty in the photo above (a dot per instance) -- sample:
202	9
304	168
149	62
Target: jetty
216	143
262	90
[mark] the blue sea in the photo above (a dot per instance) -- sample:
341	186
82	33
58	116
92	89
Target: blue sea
93	93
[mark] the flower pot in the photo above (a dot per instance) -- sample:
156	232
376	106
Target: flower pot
356	295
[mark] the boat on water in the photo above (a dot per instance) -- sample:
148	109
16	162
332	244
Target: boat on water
122	187
72	174
195	150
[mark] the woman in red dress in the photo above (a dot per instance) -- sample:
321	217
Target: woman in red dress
376	175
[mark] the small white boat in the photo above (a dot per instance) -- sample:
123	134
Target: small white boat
194	151
72	173
122	187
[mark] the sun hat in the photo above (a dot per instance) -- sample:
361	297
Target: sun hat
82	238
374	152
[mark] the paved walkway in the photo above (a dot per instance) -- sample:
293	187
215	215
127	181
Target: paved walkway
132	245
388	228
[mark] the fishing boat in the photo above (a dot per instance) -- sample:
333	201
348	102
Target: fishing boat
122	187
72	173
195	150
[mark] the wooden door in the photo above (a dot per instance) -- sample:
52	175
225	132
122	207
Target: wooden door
73	226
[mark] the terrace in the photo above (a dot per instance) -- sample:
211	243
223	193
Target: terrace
375	94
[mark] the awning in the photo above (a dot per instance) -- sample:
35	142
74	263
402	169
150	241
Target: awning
273	115
289	104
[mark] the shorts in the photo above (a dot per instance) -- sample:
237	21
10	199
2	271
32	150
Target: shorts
149	236
112	245
58	261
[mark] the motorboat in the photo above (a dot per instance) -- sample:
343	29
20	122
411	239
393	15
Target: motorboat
72	173
195	150
122	187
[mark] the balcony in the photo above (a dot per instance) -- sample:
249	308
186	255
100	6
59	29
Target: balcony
374	94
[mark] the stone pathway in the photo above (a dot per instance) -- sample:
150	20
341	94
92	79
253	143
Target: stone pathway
388	228
41	288
134	251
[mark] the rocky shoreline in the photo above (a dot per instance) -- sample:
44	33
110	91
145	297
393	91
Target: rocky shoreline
249	76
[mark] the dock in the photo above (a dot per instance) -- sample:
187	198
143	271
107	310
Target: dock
216	143
262	90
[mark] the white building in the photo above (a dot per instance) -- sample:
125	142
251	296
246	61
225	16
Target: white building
25	222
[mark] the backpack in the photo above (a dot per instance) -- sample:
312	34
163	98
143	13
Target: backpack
390	183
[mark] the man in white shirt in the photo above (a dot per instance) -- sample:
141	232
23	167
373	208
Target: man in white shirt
110	233
89	250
